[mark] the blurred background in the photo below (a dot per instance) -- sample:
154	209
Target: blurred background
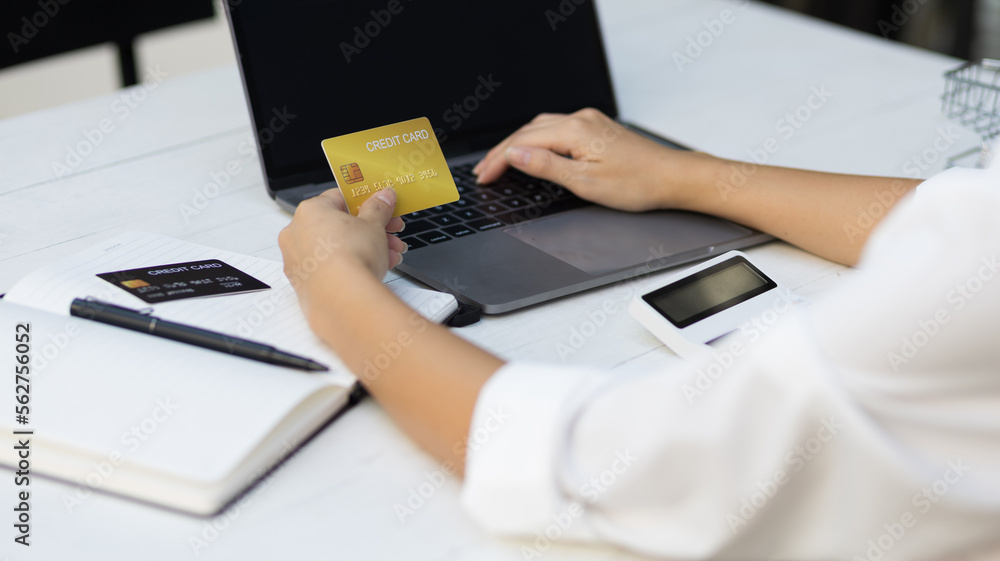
58	51
74	49
967	29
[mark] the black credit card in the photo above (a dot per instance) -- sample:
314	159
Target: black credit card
184	280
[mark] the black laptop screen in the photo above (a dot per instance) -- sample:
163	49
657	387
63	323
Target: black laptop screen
477	69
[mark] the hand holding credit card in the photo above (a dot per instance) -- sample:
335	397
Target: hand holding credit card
405	156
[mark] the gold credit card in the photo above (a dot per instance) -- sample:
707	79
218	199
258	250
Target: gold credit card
405	156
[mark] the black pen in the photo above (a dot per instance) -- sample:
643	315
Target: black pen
145	323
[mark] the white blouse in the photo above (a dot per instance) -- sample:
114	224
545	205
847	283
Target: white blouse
864	427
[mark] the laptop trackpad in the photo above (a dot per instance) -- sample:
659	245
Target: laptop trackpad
599	240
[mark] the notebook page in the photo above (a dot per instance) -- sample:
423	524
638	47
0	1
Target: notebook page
165	406
272	316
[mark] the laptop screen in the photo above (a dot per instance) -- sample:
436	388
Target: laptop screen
478	70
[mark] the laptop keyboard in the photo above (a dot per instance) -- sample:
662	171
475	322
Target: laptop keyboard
513	198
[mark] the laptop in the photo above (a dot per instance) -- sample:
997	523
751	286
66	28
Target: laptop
315	69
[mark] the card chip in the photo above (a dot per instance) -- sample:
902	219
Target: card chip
351	173
137	283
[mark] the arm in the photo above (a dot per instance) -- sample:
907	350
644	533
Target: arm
433	399
603	162
883	385
743	468
336	261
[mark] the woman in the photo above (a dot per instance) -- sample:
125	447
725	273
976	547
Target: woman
865	427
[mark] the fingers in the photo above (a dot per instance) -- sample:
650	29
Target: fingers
490	168
560	134
330	197
397	248
379	207
396	244
493	163
334	198
544	164
395	225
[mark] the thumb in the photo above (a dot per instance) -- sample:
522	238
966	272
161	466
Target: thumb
543	164
379	208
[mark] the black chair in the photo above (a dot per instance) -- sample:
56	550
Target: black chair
36	29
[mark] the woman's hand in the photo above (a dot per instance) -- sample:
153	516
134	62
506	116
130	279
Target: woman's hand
324	242
603	162
336	263
599	160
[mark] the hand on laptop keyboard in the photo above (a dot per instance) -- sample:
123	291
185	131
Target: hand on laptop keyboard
595	157
513	198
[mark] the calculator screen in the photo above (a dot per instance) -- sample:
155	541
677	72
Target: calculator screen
709	292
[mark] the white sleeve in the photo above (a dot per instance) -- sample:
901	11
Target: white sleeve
867	425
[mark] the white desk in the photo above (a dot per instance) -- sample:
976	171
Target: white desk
335	498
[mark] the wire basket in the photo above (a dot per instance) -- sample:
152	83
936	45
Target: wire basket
972	97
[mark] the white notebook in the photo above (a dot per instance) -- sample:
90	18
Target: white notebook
166	422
